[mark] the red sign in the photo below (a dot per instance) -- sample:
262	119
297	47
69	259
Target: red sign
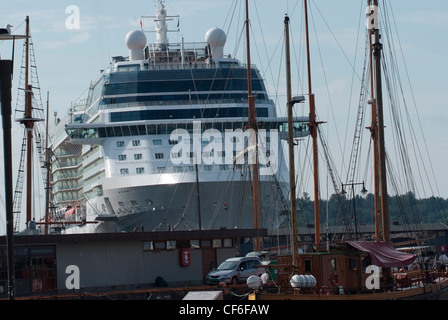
185	257
442	248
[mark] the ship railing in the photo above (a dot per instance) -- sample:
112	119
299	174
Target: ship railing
67	176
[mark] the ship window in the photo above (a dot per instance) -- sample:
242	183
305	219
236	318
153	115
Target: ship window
110	132
157	142
182	85
217	243
178	169
102	132
207	168
159	245
140	170
135	143
352	264
173	142
148	245
134	131
206	243
195	244
141	129
126	131
138	156
124	171
224	167
120	144
121	157
161	169
151	129
159	155
171	244
126	116
227	243
308	266
118	132
333	264
175	155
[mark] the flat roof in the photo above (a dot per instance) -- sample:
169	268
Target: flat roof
135	236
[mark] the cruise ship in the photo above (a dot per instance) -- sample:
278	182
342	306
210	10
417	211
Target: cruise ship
161	141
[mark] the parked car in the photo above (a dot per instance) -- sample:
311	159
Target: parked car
235	270
262	255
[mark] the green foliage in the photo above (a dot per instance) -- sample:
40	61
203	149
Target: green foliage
342	209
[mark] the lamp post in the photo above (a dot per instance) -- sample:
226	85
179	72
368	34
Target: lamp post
363	192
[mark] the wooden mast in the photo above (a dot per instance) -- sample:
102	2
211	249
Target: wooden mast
373	133
313	125
253	137
29	124
48	167
384	203
292	180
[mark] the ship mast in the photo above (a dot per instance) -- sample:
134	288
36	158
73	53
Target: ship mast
373	134
48	167
313	125
28	123
253	137
378	102
292	180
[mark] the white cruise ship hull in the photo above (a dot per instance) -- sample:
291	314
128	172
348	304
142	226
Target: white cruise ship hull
175	207
162	141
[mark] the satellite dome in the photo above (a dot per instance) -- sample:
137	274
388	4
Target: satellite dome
216	38
136	42
135	39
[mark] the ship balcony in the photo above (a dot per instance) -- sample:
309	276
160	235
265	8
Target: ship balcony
66	177
69	163
75	187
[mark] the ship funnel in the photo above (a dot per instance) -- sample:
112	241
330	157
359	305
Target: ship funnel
136	42
216	39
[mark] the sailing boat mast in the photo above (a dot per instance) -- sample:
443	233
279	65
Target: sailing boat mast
292	181
253	137
373	134
384	203
313	125
28	123
48	167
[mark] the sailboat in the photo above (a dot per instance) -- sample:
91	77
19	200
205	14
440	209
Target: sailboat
353	270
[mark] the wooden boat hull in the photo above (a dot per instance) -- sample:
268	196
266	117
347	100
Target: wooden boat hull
434	291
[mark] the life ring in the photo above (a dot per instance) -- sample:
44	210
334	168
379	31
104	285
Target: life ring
334	279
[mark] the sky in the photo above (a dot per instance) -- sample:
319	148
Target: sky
71	52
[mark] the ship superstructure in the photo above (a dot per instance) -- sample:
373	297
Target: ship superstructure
161	142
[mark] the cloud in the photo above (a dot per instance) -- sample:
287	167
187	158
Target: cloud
80	38
74	40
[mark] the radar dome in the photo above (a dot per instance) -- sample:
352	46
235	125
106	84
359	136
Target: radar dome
216	38
136	42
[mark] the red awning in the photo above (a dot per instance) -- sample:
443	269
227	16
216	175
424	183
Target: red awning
383	254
